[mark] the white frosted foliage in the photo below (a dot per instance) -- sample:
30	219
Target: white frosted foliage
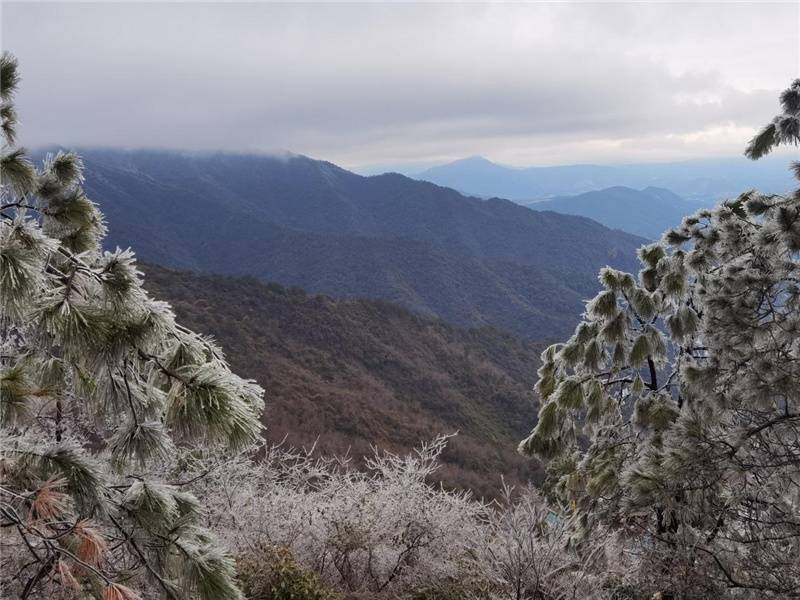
690	446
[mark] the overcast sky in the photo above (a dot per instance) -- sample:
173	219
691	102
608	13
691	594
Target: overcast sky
362	84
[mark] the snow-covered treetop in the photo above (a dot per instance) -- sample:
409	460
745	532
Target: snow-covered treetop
99	387
674	409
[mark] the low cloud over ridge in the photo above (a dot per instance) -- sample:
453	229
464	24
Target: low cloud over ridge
360	84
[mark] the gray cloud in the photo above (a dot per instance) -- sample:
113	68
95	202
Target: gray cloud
366	83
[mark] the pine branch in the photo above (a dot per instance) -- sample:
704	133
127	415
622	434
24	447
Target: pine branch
128	538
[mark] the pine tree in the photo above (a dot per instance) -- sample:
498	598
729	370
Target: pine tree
672	415
101	390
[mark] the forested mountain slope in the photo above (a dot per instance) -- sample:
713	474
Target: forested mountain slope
648	212
356	373
308	223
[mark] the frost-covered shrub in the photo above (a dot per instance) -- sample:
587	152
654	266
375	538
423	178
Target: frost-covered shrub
526	553
388	533
272	573
379	530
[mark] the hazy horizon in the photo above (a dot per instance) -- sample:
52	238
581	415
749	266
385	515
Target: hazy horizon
404	86
412	169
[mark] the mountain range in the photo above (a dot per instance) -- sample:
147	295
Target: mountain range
308	223
346	375
648	212
706	180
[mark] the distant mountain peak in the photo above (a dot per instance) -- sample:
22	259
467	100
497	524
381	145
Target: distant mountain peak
476	159
647	212
701	180
663	193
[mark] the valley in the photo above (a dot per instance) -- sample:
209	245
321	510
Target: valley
347	375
